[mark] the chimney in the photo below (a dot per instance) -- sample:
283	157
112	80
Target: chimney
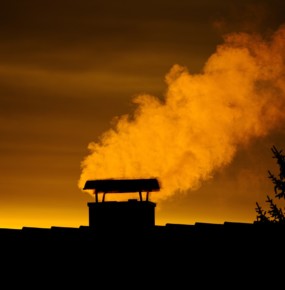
130	214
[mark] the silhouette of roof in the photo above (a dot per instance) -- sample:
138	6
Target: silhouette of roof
209	248
123	185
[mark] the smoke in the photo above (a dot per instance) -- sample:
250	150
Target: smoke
202	121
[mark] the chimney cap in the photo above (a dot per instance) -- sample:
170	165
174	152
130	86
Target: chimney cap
123	185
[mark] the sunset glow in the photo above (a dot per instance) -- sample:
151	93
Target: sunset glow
188	92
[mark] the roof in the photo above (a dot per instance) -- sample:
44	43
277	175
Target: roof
123	185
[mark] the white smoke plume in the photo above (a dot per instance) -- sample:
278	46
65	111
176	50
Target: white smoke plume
202	121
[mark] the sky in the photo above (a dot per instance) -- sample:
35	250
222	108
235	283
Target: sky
189	92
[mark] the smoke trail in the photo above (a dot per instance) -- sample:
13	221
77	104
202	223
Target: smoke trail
202	121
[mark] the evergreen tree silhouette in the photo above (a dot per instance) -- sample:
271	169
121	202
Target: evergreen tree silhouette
275	214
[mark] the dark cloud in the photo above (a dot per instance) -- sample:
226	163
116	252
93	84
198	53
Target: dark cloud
89	33
108	35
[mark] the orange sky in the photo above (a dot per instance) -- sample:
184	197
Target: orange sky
70	71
